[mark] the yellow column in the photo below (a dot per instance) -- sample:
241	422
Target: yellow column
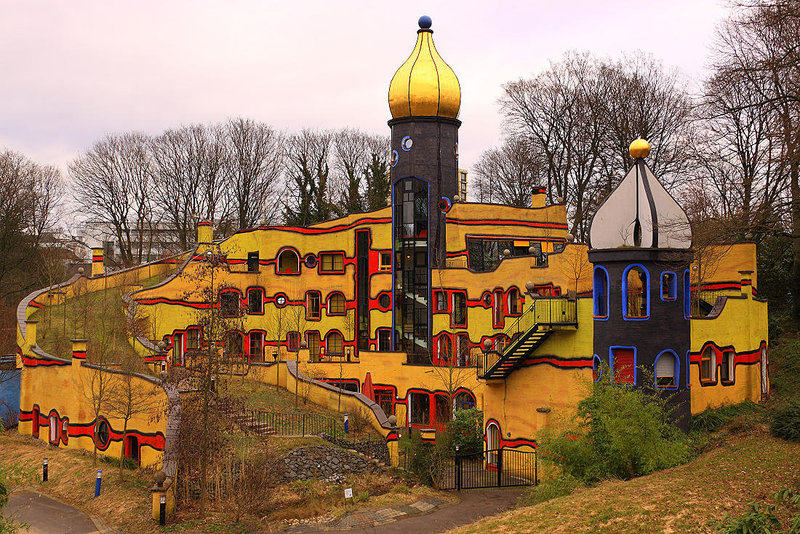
98	264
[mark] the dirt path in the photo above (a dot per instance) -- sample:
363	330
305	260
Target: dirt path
474	505
46	515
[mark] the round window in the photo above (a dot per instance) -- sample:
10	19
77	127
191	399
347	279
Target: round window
384	301
310	261
406	143
280	300
395	158
102	433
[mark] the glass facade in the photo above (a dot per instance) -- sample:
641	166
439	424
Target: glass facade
411	284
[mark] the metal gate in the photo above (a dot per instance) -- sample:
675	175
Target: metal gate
490	469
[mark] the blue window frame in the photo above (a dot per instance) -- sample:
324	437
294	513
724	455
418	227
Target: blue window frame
621	357
688	370
667	370
600	293
597	369
636	298
669	285
687	295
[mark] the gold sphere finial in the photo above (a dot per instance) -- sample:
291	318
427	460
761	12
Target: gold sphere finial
639	149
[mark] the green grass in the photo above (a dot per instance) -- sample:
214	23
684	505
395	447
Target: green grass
784	359
98	317
715	419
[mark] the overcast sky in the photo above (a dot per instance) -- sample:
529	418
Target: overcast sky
73	71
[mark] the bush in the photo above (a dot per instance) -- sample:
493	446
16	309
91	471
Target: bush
784	375
618	431
550	489
466	431
417	456
786	421
757	519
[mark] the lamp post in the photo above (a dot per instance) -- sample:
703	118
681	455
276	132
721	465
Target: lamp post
277	368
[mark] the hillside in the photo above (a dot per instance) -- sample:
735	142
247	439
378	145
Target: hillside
682	499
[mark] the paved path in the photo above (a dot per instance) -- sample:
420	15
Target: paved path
46	515
425	516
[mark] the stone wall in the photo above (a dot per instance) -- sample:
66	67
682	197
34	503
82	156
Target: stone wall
330	464
369	447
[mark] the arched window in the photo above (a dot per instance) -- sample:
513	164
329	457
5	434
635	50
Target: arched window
54	430
635	293
336	304
234	342
334	344
464	400
597	370
514	303
600	292
726	371
288	262
669	285
445	348
65	430
667	370
708	365
497	309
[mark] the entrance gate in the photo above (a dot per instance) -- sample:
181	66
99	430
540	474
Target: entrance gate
490	469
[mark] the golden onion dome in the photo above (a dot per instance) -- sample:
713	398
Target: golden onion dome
639	149
424	86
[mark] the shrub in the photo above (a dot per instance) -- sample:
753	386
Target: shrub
758	519
786	421
618	431
784	376
550	489
417	456
466	431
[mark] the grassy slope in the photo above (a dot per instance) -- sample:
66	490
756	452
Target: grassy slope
681	499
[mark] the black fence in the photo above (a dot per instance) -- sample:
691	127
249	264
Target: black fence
286	424
490	469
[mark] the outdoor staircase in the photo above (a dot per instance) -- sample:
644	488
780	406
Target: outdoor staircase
526	334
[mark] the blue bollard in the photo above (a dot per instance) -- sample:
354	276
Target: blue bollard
97	484
346	422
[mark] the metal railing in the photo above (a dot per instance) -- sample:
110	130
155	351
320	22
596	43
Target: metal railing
543	311
490	469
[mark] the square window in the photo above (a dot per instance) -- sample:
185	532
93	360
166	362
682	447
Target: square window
386	261
440	299
459	313
229	304
192	339
332	263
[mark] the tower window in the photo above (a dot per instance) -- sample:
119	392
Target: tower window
635	292
667	370
623	363
669	286
600	292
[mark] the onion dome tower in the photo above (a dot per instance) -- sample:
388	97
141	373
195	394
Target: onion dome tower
641	251
424	99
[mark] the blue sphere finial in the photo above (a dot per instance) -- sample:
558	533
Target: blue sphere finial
425	22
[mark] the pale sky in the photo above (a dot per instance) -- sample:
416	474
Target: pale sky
73	71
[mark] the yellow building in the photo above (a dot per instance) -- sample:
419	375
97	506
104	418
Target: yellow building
446	304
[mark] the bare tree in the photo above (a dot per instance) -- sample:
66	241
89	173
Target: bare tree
307	170
509	174
255	160
113	183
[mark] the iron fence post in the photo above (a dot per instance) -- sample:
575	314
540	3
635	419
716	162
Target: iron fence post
499	467
304	425
536	468
458	472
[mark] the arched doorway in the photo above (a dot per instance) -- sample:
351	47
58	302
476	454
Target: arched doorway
492	444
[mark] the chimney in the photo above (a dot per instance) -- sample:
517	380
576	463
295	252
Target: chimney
205	232
538	197
30	333
746	282
78	351
98	266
